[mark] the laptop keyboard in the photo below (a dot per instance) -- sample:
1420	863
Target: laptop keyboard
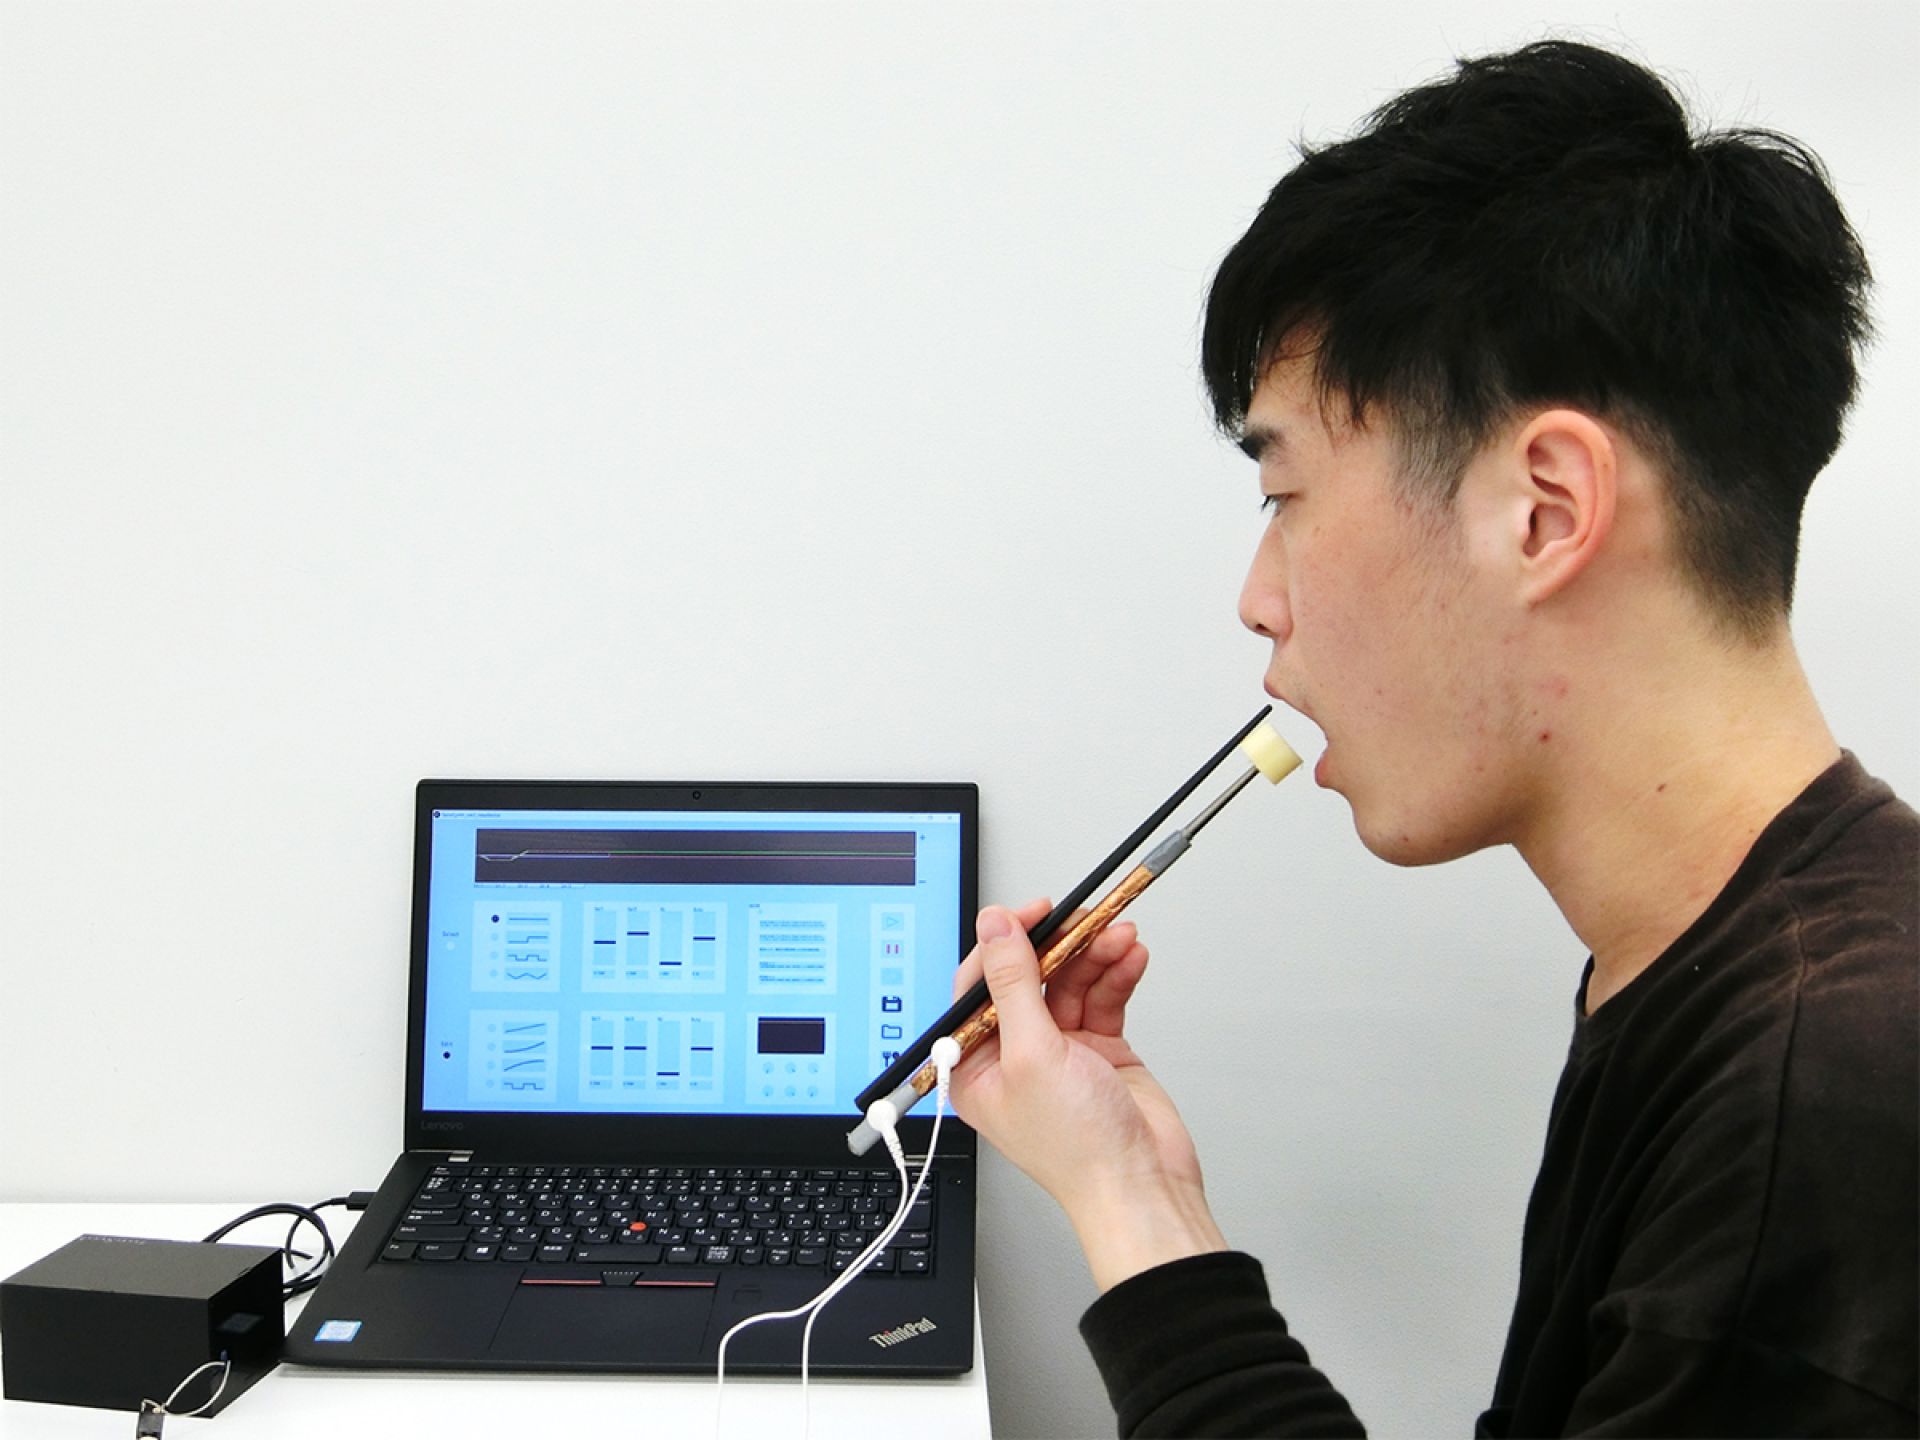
641	1215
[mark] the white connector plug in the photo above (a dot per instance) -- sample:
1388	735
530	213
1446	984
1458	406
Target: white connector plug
946	1055
884	1116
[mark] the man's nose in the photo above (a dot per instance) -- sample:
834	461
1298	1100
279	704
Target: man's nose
1264	608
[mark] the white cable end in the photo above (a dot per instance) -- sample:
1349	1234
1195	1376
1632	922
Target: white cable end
883	1116
946	1055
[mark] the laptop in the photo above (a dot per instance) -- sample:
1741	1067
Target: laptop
638	1016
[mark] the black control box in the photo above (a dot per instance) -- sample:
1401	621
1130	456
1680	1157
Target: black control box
110	1321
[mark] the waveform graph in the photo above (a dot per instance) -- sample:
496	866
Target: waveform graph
514	1056
516	945
617	856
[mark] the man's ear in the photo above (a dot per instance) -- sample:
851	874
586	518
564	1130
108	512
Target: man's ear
1566	468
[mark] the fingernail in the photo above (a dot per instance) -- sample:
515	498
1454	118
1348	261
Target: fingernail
993	924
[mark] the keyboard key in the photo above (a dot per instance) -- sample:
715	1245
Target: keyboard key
480	1252
603	1254
439	1250
915	1262
398	1250
430	1232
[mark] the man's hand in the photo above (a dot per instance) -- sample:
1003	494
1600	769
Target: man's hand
1060	1092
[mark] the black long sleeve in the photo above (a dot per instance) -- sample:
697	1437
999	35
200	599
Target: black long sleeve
1724	1235
1196	1348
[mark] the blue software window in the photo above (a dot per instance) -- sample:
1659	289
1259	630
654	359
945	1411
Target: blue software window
673	962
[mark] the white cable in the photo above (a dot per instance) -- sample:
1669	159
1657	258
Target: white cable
166	1406
884	1117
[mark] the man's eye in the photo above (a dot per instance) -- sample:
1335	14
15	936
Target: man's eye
1271	504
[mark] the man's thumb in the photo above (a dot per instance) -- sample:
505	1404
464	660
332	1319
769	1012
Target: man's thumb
1013	973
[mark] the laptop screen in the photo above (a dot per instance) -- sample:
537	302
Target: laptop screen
666	961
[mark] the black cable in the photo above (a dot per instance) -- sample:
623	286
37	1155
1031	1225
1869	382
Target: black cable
303	1215
153	1413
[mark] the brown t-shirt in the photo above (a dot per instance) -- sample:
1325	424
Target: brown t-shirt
1722	1235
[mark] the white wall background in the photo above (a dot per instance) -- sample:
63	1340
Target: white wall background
808	390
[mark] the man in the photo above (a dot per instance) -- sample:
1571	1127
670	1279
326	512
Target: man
1537	381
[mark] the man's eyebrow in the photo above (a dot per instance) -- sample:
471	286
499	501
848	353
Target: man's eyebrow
1256	440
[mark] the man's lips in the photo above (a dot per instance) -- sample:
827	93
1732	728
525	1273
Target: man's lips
1286	700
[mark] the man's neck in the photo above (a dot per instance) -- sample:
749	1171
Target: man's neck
1653	808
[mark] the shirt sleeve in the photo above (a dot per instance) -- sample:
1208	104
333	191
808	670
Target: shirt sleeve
1195	1348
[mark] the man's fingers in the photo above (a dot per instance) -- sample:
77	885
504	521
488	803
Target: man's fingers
968	975
1104	1007
1067	990
1013	977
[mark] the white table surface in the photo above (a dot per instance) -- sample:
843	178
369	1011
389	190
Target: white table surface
326	1404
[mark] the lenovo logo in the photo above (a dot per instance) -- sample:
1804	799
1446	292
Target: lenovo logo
905	1332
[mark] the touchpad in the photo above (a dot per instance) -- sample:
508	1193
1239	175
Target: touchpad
637	1325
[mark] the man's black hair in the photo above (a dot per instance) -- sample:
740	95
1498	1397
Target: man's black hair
1543	228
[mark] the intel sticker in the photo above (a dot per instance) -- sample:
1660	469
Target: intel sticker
337	1330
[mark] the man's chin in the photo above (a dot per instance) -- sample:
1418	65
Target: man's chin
1399	843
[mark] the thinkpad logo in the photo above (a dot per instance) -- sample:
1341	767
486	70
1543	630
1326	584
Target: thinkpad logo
904	1332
